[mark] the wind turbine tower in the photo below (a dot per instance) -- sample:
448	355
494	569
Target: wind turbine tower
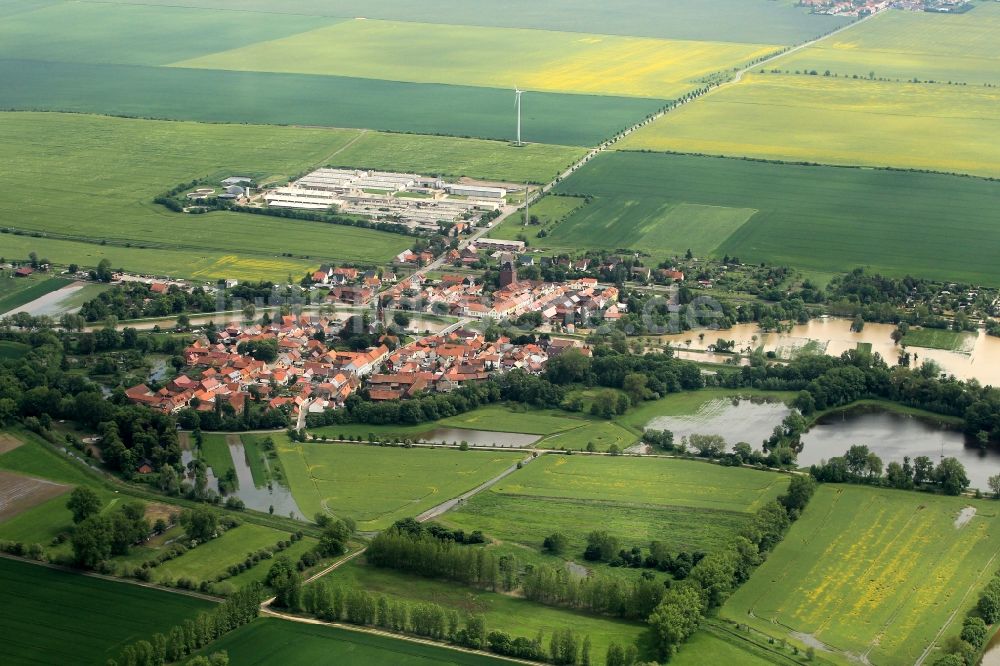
517	102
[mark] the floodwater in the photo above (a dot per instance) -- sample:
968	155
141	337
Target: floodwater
510	440
892	436
261	498
992	655
736	420
981	360
213	482
158	372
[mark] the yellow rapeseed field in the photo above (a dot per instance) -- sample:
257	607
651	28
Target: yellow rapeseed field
496	57
250	268
838	121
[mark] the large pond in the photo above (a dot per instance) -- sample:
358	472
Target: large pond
510	440
750	421
892	436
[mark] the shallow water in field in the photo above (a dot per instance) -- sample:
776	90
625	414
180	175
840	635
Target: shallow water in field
992	655
750	421
511	440
261	498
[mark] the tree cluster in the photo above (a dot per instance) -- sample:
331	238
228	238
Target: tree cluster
185	639
860	465
683	606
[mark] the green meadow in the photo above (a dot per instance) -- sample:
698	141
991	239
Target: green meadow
377	486
213	557
689	505
810	217
938	338
449	156
71	618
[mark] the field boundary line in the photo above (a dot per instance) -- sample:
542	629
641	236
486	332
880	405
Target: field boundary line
114	579
268	612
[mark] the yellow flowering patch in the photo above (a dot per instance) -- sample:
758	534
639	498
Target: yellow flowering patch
837	121
249	268
872	572
496	57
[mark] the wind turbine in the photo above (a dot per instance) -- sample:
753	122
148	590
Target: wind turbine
517	102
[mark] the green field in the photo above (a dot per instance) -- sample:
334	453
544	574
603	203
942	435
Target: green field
33	458
377	486
270	640
218	96
837	121
84	187
12	350
906	45
18	291
613	222
939	338
137	35
462	55
516	616
688	505
215	452
259	470
757	21
213	557
448	156
504	419
817	218
712	646
602	434
550	210
50	616
872	572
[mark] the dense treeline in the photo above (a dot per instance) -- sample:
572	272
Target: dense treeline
185	639
334	603
860	465
516	386
135	300
913	301
684	605
432	557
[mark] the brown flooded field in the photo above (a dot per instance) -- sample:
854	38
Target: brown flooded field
833	336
